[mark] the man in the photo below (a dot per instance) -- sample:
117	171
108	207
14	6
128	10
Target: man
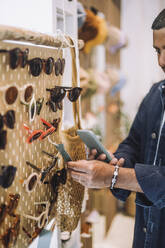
141	160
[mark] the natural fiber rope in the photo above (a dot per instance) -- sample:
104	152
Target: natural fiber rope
20	34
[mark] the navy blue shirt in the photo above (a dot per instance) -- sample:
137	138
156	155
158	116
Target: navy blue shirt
144	151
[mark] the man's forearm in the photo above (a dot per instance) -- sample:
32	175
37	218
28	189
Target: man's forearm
127	180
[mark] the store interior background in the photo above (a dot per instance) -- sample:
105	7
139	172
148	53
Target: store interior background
137	63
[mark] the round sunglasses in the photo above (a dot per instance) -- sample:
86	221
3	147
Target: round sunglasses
58	93
34	179
11	93
7	119
37	65
42	219
17	57
41	134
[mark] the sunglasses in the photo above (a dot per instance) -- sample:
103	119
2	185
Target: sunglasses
13	204
11	93
42	219
58	178
37	65
8	119
11	234
58	93
7	175
10	207
59	66
34	107
41	134
17	57
34	179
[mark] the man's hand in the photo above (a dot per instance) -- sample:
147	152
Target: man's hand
102	157
93	173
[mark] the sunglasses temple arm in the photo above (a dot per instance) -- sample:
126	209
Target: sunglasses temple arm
30	217
46	203
46	123
26	127
46	171
33	166
49	154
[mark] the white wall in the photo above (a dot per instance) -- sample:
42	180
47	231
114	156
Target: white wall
139	60
30	14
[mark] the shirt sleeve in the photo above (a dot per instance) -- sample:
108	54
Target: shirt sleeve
130	148
152	181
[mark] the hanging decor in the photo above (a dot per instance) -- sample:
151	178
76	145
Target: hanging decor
94	30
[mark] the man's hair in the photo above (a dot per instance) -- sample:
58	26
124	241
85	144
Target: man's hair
159	21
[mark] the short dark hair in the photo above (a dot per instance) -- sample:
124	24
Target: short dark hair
159	21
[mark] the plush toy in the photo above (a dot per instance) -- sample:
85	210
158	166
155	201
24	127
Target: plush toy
116	39
94	31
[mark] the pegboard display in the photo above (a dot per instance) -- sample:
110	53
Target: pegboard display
15	202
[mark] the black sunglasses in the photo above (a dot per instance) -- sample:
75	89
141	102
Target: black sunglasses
59	177
59	66
9	238
7	175
37	64
8	119
17	57
58	93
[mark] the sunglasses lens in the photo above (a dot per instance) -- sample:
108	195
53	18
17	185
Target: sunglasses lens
59	105
8	175
28	93
62	66
58	66
49	65
11	95
57	94
39	104
74	94
1	121
32	111
3	139
9	119
35	136
35	66
52	105
42	221
14	58
32	182
24	58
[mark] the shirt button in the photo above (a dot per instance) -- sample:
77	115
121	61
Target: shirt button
153	135
144	229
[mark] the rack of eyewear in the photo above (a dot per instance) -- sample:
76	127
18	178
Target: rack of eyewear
31	106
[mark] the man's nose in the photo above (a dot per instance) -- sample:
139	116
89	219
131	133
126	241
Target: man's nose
161	58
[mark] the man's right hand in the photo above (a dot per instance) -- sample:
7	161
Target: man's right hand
102	157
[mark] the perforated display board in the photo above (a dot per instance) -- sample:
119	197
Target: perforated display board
14	225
